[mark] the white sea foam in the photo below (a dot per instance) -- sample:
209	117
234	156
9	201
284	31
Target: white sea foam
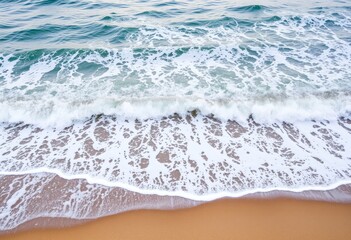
195	157
262	105
55	113
55	197
183	194
231	71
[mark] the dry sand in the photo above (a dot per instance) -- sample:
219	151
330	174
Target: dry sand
224	219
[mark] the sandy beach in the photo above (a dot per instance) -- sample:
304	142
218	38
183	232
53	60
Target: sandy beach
175	120
224	219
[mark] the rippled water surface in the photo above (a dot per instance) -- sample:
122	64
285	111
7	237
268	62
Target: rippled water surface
108	106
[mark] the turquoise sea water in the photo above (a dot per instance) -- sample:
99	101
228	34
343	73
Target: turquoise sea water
93	57
182	101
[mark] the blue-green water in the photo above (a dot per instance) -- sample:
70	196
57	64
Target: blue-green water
145	100
227	55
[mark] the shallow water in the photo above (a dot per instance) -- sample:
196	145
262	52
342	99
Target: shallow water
191	101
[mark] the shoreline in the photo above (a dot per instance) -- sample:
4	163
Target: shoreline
53	197
259	192
279	218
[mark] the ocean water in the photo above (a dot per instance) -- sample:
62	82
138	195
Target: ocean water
108	106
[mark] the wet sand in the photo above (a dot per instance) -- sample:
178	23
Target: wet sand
224	219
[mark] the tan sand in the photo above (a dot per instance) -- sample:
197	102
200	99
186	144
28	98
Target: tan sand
225	219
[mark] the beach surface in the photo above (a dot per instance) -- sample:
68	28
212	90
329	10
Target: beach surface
223	219
120	118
